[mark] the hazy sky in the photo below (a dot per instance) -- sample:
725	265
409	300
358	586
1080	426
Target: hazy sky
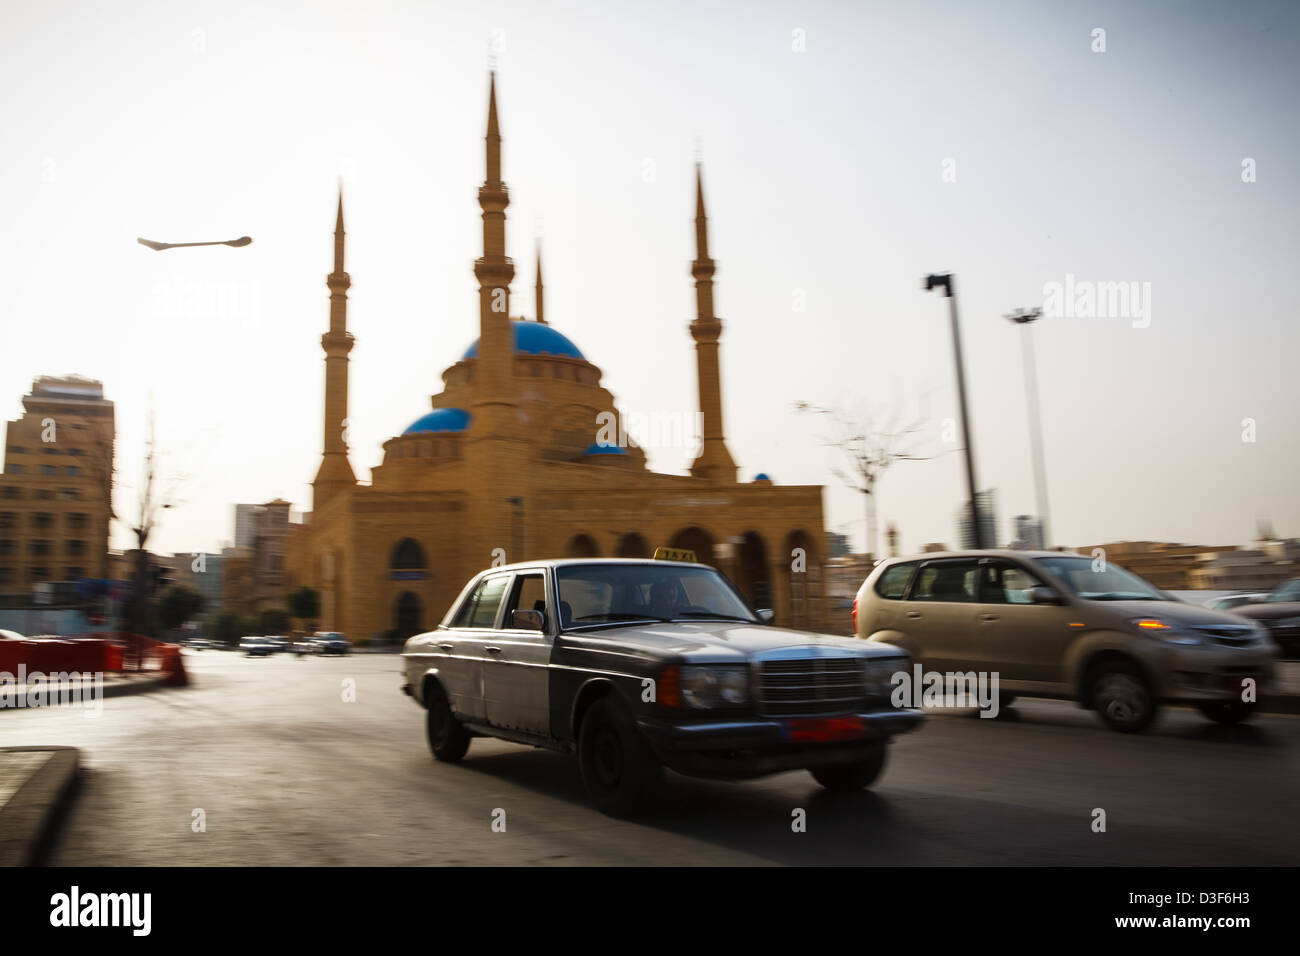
826	173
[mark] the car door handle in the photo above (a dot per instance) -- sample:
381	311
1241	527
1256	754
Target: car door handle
913	615
446	647
988	617
492	649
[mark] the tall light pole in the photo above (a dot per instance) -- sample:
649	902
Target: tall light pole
1023	318
160	246
945	282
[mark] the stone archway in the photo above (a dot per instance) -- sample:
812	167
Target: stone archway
408	615
632	546
582	546
752	570
695	539
407	555
805	584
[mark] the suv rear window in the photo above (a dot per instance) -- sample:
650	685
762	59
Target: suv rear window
892	583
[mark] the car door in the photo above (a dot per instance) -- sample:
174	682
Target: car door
1026	641
516	674
465	644
939	613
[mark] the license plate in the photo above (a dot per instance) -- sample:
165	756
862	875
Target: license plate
824	729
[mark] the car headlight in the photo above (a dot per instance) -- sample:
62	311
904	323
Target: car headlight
877	675
705	687
1164	631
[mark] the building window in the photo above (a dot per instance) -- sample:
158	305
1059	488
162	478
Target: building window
77	520
7	546
71	470
17	450
7	519
74	573
17	469
13	492
75	547
42	519
48	470
37	574
38	546
44	494
69	494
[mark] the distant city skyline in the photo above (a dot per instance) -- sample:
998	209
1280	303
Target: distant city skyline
848	151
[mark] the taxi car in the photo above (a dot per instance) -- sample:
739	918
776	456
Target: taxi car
635	665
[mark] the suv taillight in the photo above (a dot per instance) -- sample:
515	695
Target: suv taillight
855	617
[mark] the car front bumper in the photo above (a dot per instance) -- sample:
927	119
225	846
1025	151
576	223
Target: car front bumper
1205	674
753	747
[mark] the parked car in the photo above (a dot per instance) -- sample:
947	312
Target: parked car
257	647
1280	613
637	665
1231	601
331	642
1051	624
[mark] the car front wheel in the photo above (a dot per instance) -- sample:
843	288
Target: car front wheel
448	738
1226	711
620	771
1123	699
852	777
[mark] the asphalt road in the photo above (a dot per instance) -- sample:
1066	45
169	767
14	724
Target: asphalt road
286	772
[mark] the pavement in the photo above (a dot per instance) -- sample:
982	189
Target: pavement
35	783
323	762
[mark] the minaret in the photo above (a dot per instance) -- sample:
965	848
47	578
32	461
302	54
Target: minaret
494	272
715	462
335	471
538	290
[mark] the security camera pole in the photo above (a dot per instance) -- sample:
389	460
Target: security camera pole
1022	318
945	282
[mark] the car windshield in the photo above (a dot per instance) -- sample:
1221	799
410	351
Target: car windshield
1286	594
614	594
1109	582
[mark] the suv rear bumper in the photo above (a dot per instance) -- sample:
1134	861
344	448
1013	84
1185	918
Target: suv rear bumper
753	747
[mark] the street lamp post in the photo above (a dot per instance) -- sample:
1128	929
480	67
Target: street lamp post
160	246
945	281
1023	318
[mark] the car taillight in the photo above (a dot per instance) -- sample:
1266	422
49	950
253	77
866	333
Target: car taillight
855	617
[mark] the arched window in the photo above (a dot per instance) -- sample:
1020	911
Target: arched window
407	556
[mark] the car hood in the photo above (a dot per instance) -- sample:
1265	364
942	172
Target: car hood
1175	612
1268	612
723	641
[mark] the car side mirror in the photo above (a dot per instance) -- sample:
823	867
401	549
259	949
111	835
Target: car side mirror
1044	595
527	620
766	615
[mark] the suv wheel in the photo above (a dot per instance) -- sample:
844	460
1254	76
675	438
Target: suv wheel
620	771
852	777
1226	711
1123	699
448	738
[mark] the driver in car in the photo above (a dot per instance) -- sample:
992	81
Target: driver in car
665	600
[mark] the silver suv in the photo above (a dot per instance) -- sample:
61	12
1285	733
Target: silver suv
1056	624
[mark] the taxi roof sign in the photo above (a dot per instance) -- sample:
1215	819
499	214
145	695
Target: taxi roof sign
675	554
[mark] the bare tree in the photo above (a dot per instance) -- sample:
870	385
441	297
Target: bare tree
869	445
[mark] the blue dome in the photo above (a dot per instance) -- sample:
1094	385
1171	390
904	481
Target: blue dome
440	420
599	449
533	338
762	476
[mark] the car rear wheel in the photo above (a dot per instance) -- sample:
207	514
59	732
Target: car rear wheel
1227	711
1123	698
852	777
620	771
448	738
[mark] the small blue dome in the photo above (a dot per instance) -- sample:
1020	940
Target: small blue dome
534	338
762	476
440	420
599	449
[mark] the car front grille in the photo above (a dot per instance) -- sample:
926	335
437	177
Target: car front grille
810	686
1229	635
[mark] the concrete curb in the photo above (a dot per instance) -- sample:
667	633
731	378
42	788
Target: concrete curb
27	818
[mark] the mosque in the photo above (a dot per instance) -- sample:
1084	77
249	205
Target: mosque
514	462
